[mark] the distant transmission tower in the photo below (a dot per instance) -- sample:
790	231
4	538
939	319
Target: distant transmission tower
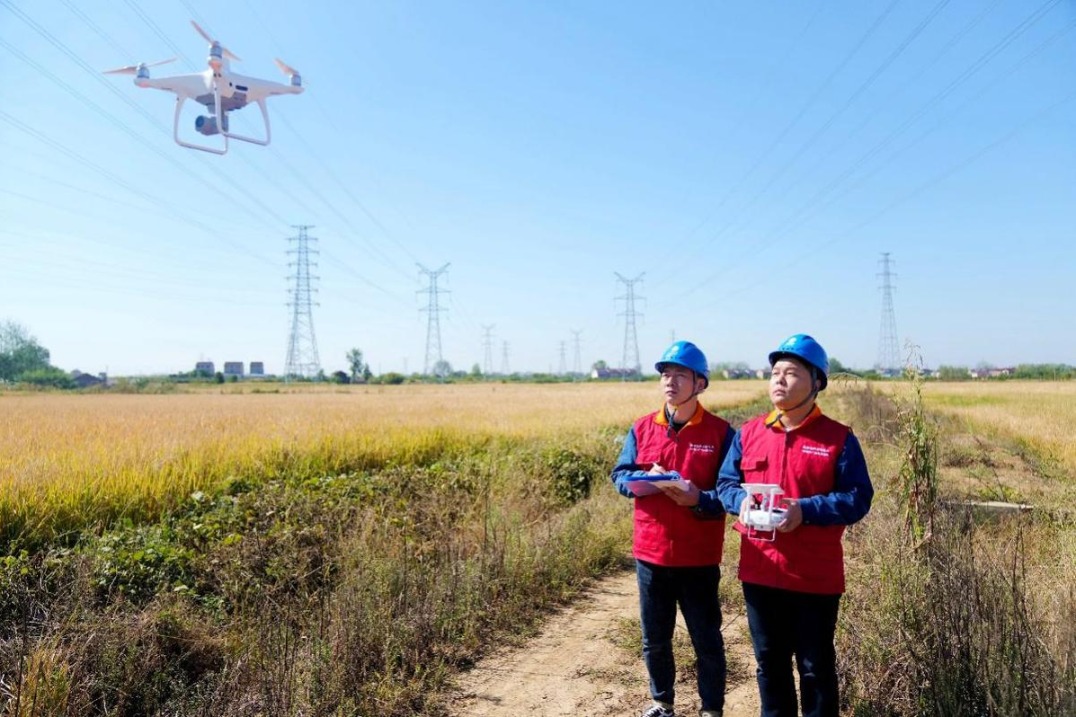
504	359
631	337
434	359
577	358
487	349
302	359
562	368
888	351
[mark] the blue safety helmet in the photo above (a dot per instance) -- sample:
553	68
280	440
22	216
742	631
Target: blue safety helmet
688	355
805	349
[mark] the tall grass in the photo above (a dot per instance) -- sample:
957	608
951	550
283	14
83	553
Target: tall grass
971	617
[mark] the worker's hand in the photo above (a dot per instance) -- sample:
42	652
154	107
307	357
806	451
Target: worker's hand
688	495
793	517
656	470
747	504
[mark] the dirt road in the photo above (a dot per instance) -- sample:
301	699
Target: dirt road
579	665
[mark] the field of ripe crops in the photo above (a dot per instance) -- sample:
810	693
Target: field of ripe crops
70	460
1040	412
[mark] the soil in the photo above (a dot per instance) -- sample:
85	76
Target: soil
585	662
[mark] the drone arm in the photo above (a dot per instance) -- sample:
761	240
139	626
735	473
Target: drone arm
252	140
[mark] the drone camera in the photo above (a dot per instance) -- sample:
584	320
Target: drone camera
208	125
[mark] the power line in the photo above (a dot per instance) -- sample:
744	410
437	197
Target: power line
829	192
93	73
803	111
266	210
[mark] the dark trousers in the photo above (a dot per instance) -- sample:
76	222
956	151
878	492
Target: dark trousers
786	624
694	589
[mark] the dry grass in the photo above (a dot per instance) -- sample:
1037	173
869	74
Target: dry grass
976	616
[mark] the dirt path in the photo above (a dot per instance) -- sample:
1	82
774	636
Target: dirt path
575	666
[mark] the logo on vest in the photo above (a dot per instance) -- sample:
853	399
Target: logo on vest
816	450
701	447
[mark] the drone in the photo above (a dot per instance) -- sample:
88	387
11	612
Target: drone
219	89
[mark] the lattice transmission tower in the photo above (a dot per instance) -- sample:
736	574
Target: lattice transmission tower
562	367
434	358
487	349
888	350
630	360
577	354
504	359
302	359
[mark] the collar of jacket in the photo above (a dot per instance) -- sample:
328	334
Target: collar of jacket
773	420
695	419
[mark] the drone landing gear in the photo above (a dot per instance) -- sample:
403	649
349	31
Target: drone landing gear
217	124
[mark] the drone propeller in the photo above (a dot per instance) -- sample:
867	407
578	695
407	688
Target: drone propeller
227	53
133	69
287	70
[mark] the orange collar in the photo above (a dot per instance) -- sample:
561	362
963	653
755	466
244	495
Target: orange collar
695	419
773	419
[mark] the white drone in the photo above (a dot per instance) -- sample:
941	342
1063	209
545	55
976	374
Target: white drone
219	89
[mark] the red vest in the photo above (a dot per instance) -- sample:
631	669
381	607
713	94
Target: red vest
666	533
803	462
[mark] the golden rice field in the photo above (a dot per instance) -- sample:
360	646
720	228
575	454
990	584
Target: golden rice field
69	452
1039	412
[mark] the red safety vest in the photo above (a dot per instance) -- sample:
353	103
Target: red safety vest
803	462
666	533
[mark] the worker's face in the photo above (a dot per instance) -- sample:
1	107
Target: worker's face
679	384
790	383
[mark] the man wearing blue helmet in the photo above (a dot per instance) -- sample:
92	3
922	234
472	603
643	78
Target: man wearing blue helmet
793	573
669	466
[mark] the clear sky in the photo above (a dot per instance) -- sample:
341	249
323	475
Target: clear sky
750	160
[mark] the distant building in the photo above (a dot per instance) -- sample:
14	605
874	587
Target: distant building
624	374
257	368
992	372
206	368
87	380
233	368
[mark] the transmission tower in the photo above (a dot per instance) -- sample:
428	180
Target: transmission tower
433	311
504	359
631	337
487	349
302	359
577	358
562	368
888	352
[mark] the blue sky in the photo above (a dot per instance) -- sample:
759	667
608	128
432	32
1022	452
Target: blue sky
750	160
